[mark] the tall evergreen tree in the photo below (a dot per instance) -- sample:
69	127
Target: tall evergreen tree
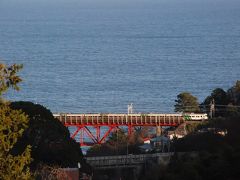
221	101
12	125
186	102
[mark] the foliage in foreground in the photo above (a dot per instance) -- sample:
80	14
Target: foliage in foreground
50	139
49	172
12	125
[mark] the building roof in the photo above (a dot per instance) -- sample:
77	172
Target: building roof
160	138
146	146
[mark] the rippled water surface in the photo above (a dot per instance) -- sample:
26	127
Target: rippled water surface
99	57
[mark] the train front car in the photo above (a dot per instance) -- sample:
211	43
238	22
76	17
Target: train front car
195	116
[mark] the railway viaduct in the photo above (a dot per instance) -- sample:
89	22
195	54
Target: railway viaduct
90	125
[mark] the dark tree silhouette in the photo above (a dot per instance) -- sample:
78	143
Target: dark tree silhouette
186	103
50	140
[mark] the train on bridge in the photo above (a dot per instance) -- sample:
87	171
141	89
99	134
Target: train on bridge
126	119
82	122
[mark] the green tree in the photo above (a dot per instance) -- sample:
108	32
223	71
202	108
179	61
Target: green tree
186	102
237	86
50	139
221	101
12	125
117	138
232	110
220	97
9	77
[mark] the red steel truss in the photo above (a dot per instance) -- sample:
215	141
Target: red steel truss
82	123
84	131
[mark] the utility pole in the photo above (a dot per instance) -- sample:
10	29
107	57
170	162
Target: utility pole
130	108
212	109
158	130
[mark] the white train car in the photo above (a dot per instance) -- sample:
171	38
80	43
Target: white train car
195	116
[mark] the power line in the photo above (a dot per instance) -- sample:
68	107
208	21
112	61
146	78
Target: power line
215	105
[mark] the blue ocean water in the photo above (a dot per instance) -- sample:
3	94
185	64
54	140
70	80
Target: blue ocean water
99	56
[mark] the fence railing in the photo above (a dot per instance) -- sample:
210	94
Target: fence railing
124	160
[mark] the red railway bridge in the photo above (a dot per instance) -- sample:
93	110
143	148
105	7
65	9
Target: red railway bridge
82	123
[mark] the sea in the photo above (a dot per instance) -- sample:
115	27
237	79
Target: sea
98	56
